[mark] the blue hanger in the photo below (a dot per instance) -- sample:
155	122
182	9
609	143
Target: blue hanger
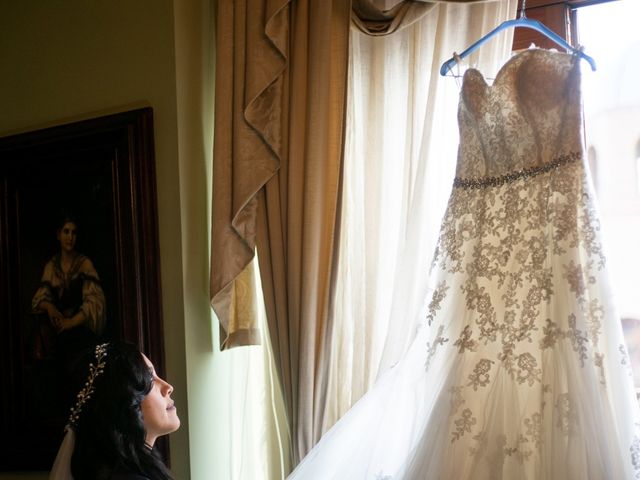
523	21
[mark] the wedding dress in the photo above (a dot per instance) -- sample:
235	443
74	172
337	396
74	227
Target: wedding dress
519	370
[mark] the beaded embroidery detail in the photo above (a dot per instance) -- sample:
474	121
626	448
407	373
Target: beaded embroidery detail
513	176
85	394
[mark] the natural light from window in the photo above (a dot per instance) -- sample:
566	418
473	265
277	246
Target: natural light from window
610	34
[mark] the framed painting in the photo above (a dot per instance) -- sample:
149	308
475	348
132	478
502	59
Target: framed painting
78	233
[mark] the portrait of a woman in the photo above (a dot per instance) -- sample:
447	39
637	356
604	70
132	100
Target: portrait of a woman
69	299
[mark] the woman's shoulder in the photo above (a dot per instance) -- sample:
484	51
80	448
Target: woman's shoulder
123	473
84	265
53	263
128	476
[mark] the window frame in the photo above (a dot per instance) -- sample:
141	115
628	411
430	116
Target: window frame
559	15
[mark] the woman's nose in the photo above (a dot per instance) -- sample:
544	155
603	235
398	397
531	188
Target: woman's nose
169	388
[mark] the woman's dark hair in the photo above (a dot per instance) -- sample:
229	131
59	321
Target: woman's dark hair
64	217
110	434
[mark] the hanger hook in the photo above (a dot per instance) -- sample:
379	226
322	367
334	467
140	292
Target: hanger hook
523	8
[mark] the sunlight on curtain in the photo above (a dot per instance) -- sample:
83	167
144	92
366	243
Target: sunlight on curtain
259	440
401	145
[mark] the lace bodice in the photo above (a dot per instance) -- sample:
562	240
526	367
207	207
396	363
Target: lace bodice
528	119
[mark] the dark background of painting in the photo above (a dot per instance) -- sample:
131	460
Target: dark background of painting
77	183
102	170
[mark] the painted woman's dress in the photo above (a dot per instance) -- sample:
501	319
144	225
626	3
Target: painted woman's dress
519	370
79	289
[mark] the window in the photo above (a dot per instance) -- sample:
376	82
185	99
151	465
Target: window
608	30
612	114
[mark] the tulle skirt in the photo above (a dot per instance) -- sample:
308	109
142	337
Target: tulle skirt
519	369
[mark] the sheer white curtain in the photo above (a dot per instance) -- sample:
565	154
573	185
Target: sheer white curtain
259	444
400	153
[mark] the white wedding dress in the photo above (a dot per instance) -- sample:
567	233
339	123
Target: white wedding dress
520	370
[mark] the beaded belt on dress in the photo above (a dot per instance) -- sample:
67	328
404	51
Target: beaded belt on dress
517	175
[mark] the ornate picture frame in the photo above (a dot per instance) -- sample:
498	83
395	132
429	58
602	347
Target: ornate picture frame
101	173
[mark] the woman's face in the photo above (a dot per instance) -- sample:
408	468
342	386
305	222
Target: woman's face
159	413
67	236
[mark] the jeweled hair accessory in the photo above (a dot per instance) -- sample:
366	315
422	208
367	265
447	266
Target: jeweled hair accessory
95	369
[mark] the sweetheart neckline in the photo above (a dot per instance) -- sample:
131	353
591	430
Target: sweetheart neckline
511	60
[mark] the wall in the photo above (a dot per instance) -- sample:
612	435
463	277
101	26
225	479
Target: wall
69	60
208	369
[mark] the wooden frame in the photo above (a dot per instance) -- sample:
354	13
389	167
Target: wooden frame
103	170
558	15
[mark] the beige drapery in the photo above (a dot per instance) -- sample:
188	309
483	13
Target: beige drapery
281	73
281	82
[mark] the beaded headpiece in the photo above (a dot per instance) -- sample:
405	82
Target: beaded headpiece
95	369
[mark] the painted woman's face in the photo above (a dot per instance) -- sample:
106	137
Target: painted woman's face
159	413
67	236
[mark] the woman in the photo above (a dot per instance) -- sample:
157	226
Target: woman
71	296
122	408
